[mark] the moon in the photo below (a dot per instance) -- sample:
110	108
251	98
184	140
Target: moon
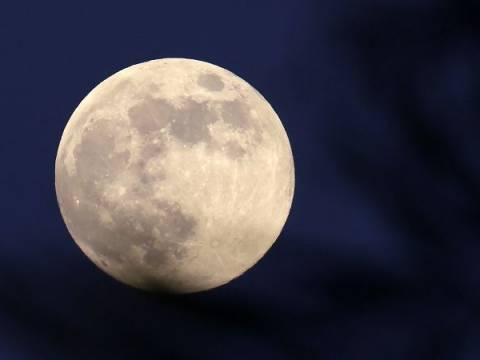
174	175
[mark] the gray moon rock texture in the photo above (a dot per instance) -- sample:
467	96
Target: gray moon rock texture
174	175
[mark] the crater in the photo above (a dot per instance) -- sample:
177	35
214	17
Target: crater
211	82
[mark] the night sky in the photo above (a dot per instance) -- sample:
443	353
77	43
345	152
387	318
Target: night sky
379	258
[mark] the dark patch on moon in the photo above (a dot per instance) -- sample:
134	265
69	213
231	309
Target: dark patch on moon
189	123
161	234
103	100
174	227
95	157
174	224
154	257
148	180
151	151
210	82
234	150
134	227
140	169
150	115
81	198
236	114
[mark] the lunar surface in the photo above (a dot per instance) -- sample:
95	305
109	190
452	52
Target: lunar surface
174	175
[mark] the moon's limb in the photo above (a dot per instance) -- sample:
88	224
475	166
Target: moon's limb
174	174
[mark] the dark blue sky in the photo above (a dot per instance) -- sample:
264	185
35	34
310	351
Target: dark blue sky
379	258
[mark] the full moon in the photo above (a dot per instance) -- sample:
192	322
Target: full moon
174	175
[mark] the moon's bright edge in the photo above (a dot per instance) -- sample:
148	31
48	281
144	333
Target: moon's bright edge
174	175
